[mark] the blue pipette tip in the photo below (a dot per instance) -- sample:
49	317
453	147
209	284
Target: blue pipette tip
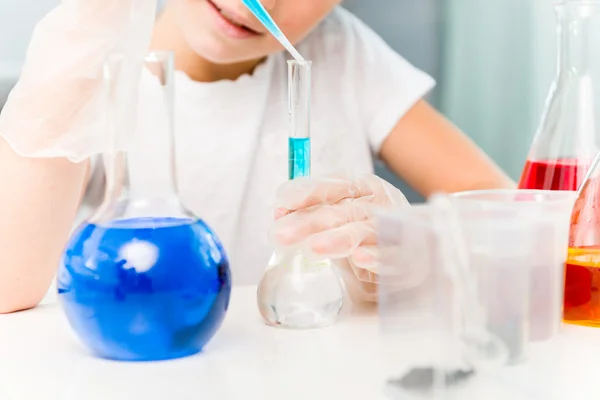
263	16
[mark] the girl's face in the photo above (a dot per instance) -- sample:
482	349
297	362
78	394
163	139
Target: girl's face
226	32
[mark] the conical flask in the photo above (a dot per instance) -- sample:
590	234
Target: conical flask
568	137
582	277
144	279
298	291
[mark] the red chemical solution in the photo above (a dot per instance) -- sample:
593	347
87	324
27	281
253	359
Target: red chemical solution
561	174
582	287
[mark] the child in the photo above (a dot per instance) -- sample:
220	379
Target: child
231	121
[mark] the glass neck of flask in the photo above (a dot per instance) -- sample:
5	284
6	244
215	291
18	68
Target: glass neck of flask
142	179
299	98
579	38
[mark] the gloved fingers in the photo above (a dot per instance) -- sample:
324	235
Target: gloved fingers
399	276
58	106
298	226
340	242
391	196
303	193
366	257
362	274
77	35
404	266
358	291
307	192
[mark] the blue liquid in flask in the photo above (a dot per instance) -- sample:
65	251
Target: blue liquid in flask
145	289
299	157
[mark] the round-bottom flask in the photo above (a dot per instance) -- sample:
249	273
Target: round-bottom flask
144	289
144	279
299	293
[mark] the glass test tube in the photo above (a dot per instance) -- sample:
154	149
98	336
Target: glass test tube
299	82
297	292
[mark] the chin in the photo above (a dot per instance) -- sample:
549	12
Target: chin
220	52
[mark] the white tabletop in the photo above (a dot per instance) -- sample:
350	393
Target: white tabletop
40	358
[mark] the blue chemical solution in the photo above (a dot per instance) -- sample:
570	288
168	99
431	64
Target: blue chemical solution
299	161
145	289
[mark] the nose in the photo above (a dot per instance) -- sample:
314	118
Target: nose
270	4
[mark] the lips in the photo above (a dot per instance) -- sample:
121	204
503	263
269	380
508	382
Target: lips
234	19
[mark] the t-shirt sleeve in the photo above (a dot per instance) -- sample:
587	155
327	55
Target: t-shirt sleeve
387	86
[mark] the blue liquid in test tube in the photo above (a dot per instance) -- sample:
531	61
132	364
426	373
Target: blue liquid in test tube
299	159
299	77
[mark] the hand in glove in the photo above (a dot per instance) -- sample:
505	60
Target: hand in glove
58	107
332	217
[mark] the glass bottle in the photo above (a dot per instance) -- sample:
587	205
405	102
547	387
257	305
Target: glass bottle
582	278
568	137
297	291
144	279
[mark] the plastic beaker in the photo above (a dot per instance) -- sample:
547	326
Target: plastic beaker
455	290
548	212
416	306
433	325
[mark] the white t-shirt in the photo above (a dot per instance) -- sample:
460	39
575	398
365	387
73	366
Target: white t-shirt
232	136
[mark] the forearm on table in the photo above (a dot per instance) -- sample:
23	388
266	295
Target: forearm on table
39	199
431	155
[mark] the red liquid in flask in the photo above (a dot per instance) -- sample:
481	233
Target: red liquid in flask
582	287
561	174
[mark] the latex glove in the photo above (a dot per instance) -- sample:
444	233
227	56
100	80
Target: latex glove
332	217
58	107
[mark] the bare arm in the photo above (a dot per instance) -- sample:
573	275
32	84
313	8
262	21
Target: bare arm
39	199
432	155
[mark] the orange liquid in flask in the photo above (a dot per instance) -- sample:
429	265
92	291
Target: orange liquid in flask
582	287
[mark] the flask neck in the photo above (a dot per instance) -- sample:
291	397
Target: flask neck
148	166
579	38
141	168
140	183
143	175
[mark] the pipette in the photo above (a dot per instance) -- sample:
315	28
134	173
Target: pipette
263	16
